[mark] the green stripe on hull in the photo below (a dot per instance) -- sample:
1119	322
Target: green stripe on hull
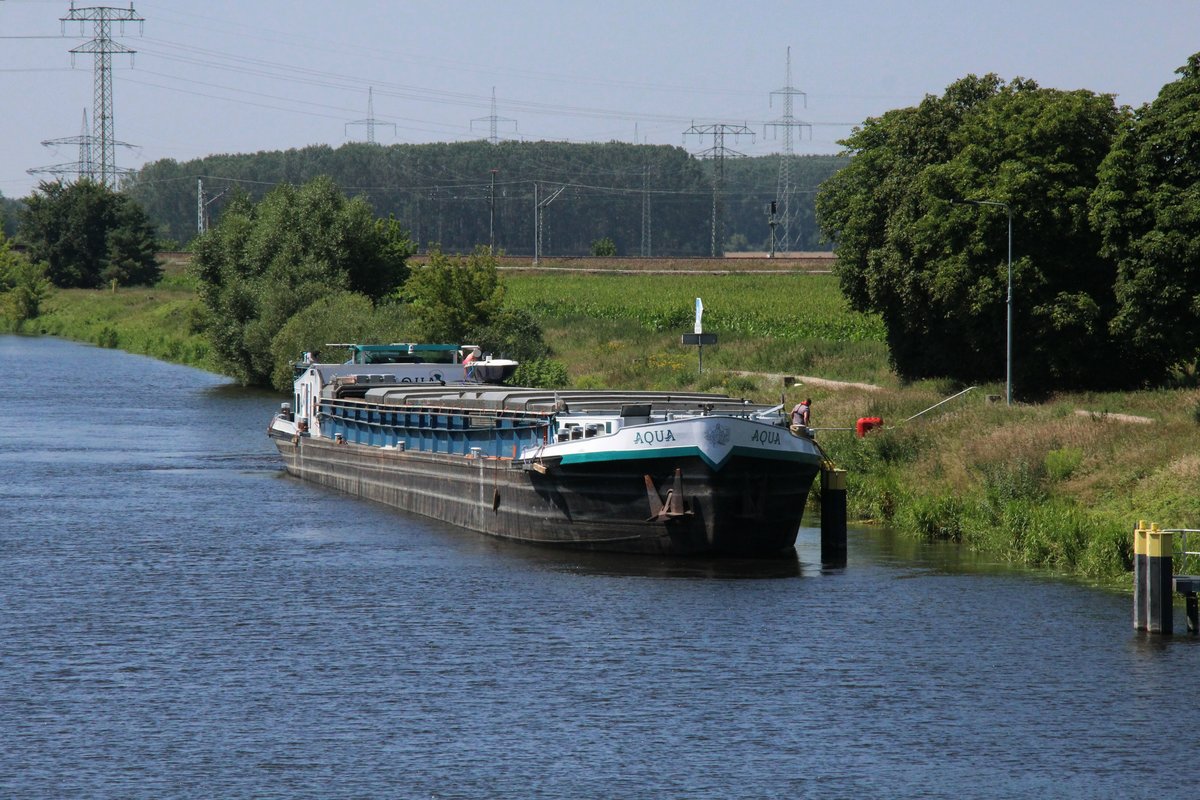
691	452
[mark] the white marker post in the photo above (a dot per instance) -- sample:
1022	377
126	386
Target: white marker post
699	337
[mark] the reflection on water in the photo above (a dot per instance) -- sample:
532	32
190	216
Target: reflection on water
784	565
179	620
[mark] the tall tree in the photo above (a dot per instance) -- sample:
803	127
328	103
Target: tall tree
88	235
936	270
10	211
1147	208
265	262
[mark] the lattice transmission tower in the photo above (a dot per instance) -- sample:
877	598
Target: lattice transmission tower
785	188
717	154
494	121
83	168
102	47
370	122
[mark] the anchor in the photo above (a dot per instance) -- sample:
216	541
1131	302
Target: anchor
673	507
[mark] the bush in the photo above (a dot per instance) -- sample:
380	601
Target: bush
604	247
543	373
23	286
513	333
341	317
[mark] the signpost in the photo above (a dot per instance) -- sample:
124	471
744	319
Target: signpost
699	338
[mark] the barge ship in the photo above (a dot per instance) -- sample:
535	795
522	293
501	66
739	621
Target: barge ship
431	429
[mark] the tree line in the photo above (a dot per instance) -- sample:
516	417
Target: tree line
1104	203
462	194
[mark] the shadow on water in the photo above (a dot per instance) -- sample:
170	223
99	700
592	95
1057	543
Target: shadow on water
228	389
783	565
884	546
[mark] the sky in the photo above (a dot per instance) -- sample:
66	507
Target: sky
219	76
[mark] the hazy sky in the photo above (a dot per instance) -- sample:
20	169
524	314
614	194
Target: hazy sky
231	77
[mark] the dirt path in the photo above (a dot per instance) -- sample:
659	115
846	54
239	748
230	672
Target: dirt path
1103	415
801	380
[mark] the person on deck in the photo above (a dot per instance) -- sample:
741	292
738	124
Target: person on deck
800	414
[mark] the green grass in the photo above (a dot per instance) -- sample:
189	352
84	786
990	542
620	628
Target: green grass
161	322
1036	484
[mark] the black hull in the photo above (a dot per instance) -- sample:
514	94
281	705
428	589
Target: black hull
750	507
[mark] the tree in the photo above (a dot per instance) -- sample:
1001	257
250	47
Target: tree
10	211
23	285
88	235
131	256
936	271
265	262
1147	209
454	297
339	317
460	300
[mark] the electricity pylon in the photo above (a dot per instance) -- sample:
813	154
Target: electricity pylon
102	48
370	120
784	188
493	121
81	169
718	153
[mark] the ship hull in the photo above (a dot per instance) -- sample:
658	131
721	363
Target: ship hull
749	506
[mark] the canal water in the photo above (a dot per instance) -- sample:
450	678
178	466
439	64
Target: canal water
180	619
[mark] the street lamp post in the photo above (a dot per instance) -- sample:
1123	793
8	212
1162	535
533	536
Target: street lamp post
1008	349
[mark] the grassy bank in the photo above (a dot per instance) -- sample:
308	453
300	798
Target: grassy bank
1056	485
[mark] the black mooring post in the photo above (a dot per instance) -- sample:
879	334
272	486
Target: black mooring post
1141	575
1188	585
833	517
1162	584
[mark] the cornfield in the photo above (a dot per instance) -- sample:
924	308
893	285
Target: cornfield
790	307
